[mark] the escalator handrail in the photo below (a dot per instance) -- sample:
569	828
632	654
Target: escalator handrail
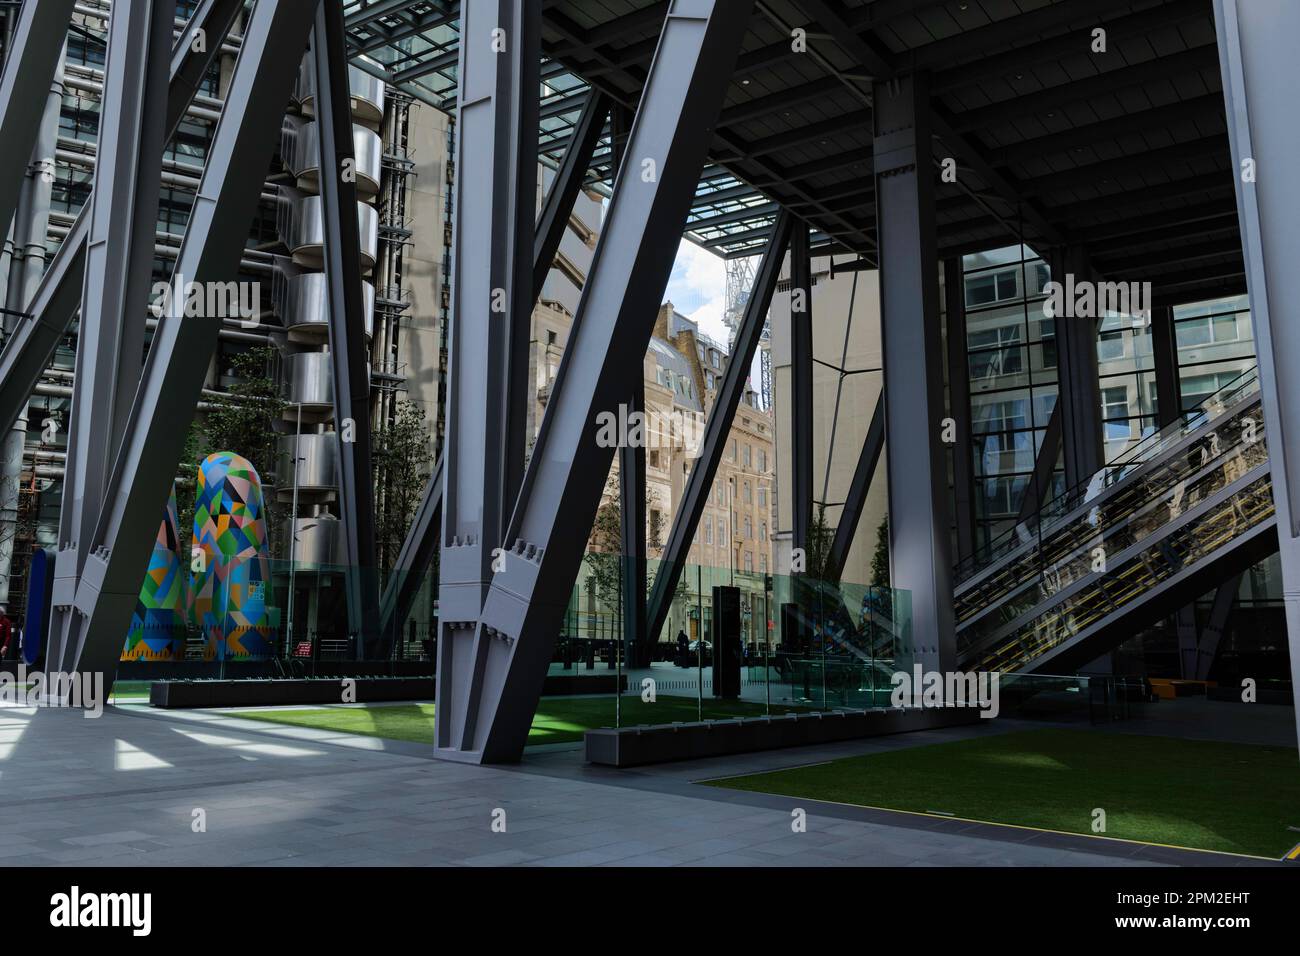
1239	485
1241	388
1100	533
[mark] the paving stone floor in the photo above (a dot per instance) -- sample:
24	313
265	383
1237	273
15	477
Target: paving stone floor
126	789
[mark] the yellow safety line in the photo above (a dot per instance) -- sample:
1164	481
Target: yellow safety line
1018	826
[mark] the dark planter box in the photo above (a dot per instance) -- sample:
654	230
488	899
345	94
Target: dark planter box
557	685
245	693
634	746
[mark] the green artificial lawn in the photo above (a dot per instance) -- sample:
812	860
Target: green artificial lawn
558	719
1235	798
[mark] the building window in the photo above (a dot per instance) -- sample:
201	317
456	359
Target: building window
762	531
749	562
762	562
762	457
749	494
991	287
762	497
749	528
708	530
749	457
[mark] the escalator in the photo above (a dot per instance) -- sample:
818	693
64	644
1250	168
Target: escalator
1179	513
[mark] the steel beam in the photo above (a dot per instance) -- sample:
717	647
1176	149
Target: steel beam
717	429
414	560
210	22
416	555
349	362
29	66
1040	482
558	206
492	309
919	530
224	206
1257	54
28	352
1164	348
1078	388
489	685
801	388
963	465
115	290
1225	598
872	445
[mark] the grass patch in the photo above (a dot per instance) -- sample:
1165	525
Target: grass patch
1235	798
558	719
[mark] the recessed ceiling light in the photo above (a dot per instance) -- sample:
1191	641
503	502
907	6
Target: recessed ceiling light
744	82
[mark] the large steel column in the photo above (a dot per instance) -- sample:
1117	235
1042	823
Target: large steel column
29	65
488	689
920	554
349	361
226	200
963	464
496	166
416	556
717	428
1079	393
1164	347
115	292
801	388
1256	54
28	351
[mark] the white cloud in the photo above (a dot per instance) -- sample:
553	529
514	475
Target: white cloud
698	290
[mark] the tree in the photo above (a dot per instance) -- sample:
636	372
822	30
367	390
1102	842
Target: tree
402	464
604	547
820	538
880	557
243	420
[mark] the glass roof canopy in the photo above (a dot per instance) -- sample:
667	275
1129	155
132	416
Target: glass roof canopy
414	46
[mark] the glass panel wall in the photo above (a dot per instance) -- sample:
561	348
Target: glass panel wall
1011	359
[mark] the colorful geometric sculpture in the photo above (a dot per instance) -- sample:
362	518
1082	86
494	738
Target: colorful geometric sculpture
230	566
158	624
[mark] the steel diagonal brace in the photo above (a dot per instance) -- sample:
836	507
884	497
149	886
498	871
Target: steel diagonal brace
495	202
32	58
416	556
119	266
718	426
348	359
227	198
28	352
486	702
